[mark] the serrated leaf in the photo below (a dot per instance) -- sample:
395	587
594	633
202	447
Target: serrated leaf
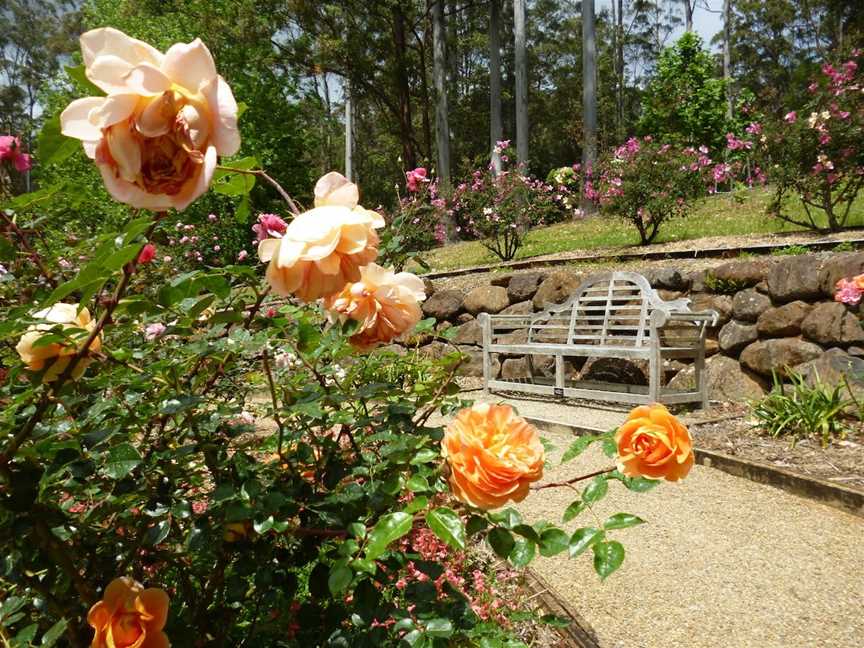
608	557
122	459
553	542
389	528
54	633
447	525
157	533
610	448
578	447
523	552
584	538
638	484
339	580
575	508
51	145
596	490
439	628
622	521
501	541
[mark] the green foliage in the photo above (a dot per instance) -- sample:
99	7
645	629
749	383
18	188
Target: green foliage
815	153
791	250
723	286
802	409
684	101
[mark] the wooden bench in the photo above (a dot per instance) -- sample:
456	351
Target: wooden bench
611	315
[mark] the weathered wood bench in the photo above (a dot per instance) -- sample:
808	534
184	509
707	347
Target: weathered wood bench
611	315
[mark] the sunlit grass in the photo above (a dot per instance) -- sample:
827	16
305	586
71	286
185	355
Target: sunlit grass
714	216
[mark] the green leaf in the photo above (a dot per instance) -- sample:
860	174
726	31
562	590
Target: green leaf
243	211
78	74
417	504
584	538
339	579
509	517
637	484
122	459
608	557
54	633
389	528
439	628
622	521
578	447
157	533
610	448
596	490
447	525
501	541
575	508
553	541
523	552
51	145
417	483
122	256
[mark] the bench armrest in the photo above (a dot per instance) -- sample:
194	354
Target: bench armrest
661	318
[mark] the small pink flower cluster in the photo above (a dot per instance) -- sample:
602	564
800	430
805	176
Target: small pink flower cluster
849	291
415	179
10	151
735	144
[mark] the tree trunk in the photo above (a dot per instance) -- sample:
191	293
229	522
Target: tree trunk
688	15
521	64
439	62
727	54
424	89
619	69
403	90
589	93
496	133
349	134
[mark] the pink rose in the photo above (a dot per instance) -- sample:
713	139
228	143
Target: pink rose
166	118
10	149
148	253
269	226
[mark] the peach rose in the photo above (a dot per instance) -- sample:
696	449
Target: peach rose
36	356
493	455
129	616
156	136
322	249
652	443
385	303
858	280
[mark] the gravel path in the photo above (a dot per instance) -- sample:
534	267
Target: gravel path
723	562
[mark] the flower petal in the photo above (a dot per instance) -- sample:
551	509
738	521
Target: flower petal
107	40
189	65
146	79
198	185
75	119
114	109
223	108
335	189
132	194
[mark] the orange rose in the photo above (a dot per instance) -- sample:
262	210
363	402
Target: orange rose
323	248
493	454
129	616
652	443
858	280
385	303
58	353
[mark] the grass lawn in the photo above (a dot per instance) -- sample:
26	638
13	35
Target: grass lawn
713	216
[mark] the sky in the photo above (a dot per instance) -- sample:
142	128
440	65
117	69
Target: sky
705	23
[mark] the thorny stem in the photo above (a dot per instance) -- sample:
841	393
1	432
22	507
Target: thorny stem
274	399
575	479
45	401
260	172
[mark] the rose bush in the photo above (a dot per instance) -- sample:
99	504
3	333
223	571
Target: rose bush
228	447
814	154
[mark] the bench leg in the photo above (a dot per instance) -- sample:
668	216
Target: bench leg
559	372
654	377
699	378
486	325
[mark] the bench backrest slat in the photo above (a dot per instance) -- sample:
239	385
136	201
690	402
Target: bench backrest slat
607	308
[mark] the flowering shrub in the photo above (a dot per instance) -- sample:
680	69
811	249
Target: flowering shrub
501	209
418	222
849	291
647	183
815	153
227	469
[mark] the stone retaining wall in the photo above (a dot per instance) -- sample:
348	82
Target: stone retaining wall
776	313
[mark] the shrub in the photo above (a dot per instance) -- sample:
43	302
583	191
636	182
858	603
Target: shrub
647	183
800	410
270	476
501	209
815	153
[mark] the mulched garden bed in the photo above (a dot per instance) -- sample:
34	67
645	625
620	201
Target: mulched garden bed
730	430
